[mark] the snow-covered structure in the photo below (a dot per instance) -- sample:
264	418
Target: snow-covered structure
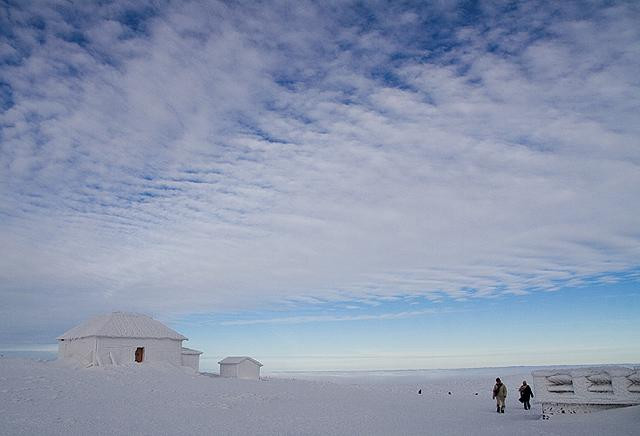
119	338
191	358
240	367
583	390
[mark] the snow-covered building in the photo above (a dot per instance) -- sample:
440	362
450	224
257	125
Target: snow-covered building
119	338
191	358
240	367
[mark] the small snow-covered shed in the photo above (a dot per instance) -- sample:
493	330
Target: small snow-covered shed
119	338
240	367
191	358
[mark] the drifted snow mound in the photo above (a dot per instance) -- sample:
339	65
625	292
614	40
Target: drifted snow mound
38	398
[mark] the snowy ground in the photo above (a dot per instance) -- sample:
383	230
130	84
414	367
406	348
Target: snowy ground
47	398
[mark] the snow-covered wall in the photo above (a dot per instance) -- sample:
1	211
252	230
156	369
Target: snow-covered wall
81	350
123	350
191	360
117	351
248	369
580	390
228	370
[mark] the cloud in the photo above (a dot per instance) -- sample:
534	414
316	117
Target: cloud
329	318
201	156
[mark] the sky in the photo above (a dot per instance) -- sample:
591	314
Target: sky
326	185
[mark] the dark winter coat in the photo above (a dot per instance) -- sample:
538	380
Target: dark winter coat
525	393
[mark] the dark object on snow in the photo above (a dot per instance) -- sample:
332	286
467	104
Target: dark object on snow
449	392
419	391
475	393
525	395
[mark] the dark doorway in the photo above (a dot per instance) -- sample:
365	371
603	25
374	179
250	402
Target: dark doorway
139	354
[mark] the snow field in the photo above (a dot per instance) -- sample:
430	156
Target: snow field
47	398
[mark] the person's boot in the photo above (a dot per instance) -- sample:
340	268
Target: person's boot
498	409
502	409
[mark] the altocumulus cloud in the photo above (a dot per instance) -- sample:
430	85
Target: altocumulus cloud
178	157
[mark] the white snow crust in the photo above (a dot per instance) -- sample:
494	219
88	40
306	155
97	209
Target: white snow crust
122	325
48	398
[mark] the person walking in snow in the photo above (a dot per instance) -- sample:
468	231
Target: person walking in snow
525	395
499	394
